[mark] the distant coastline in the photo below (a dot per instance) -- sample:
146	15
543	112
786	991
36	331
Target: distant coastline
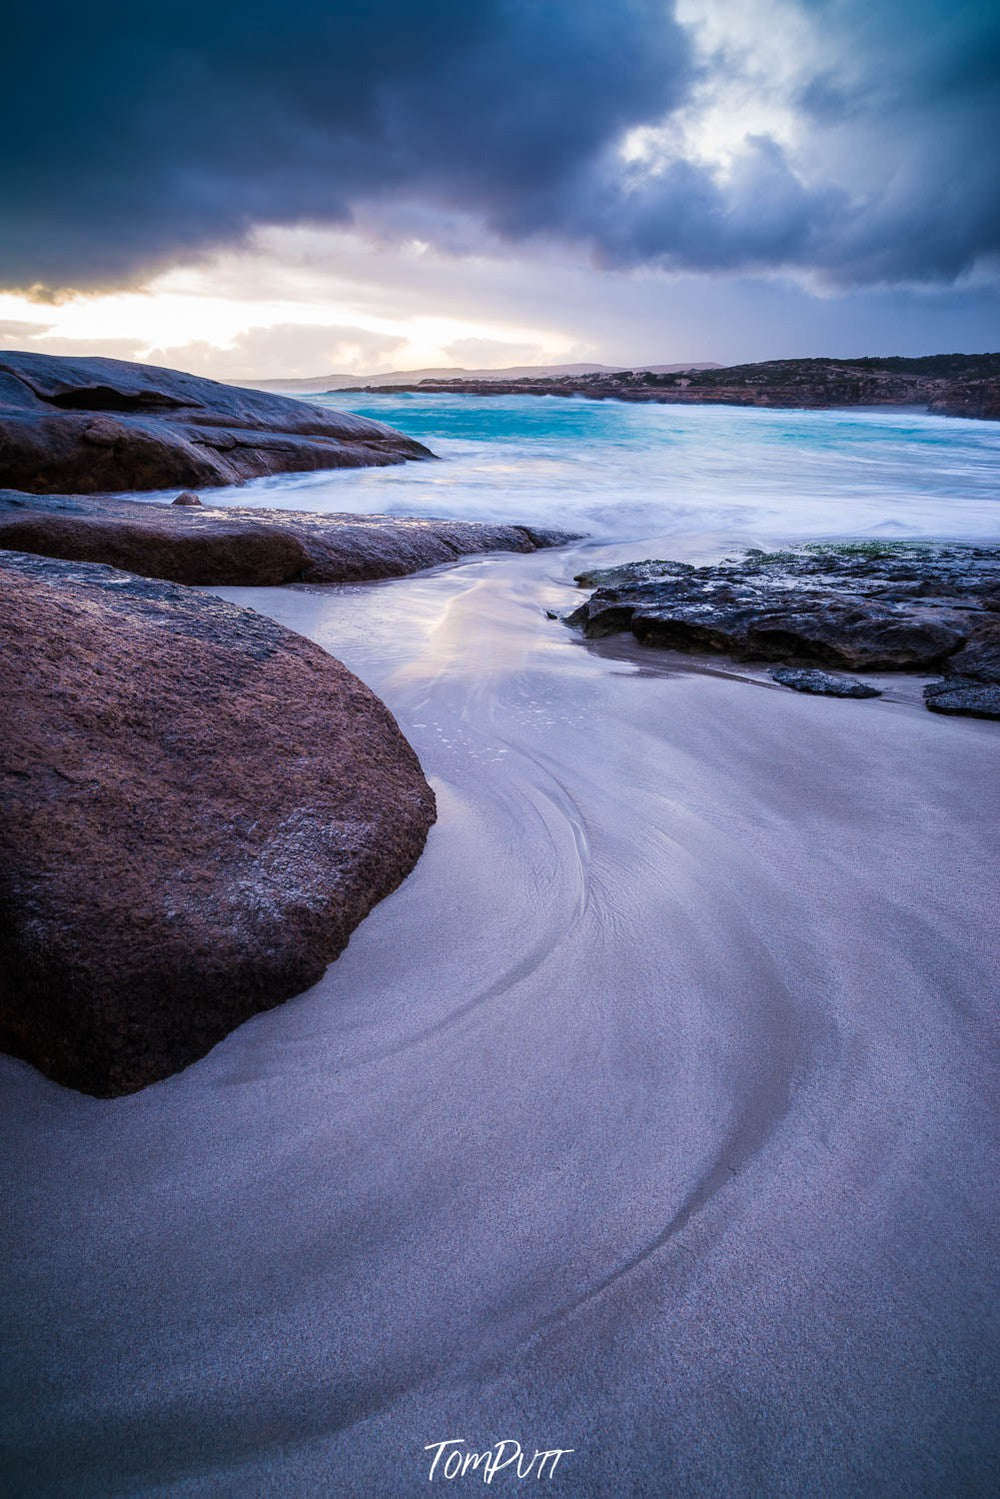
322	384
948	384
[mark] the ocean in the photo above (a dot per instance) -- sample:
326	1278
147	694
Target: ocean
622	472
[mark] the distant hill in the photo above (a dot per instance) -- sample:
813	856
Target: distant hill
316	384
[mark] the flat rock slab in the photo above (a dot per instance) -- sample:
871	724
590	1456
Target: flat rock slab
863	607
196	809
822	683
240	545
83	426
959	695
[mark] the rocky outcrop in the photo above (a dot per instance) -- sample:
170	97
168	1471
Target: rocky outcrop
83	426
866	607
975	398
196	543
196	809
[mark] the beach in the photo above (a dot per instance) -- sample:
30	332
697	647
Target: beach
500	697
650	1118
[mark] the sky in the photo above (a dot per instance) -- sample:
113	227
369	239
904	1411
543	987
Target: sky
253	190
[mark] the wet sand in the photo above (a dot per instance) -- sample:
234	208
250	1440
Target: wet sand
653	1117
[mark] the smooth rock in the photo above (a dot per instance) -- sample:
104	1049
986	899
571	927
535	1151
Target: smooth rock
196	809
208	545
84	426
187	498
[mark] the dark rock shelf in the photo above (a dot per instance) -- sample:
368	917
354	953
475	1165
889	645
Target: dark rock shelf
862	607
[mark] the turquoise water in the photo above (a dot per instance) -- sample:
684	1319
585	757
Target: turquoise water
626	472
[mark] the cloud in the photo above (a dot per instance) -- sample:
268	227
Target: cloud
13	333
284	349
158	133
158	130
492	353
21	335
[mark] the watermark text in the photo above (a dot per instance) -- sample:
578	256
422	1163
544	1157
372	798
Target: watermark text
508	1455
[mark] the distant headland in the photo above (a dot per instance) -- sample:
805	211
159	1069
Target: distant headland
949	384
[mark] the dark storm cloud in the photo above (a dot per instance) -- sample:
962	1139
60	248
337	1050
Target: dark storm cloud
915	98
135	134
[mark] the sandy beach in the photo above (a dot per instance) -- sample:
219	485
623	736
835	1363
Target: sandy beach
651	1118
454	1036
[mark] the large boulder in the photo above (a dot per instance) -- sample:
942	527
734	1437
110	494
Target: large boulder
199	544
83	426
196	809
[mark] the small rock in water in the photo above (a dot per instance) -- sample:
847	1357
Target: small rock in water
186	498
823	683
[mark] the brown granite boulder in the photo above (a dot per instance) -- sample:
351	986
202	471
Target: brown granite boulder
83	426
202	544
196	809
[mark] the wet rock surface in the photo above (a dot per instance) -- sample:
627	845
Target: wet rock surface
83	426
198	543
974	699
860	607
822	683
196	809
